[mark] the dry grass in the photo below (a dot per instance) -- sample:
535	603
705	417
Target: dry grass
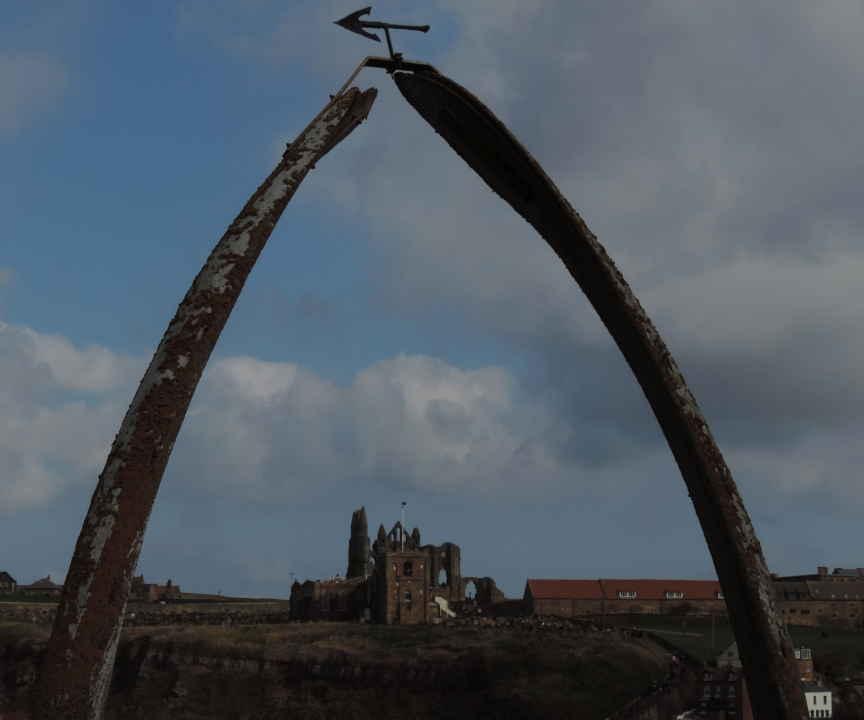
481	672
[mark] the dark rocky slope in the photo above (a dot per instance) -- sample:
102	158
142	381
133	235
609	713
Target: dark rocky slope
355	671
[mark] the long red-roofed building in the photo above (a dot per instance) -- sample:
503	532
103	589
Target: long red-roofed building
574	598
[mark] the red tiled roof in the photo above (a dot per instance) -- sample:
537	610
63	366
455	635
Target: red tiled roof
609	589
162	589
657	589
566	589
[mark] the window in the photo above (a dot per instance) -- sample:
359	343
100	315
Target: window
407	568
704	611
805	611
731	707
674	594
792	611
718	691
852	614
325	603
706	692
626	594
808	667
343	603
833	615
818	611
719	595
731	691
407	599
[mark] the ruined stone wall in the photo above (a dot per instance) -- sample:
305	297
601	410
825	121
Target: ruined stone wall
568	607
138	614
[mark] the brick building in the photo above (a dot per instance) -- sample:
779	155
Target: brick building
826	599
573	598
833	599
854	699
333	600
721	694
396	580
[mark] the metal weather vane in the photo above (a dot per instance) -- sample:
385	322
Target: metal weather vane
353	23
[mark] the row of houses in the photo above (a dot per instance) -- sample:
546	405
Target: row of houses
146	592
140	591
575	598
44	586
834	599
721	691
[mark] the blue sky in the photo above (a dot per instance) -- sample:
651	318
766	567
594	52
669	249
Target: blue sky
405	336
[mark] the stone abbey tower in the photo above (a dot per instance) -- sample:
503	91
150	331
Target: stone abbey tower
396	580
359	563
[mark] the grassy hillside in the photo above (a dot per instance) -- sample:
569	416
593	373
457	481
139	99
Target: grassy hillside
366	672
693	634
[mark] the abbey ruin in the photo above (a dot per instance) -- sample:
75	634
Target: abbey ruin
396	580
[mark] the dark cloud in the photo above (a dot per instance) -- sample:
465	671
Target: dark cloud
715	150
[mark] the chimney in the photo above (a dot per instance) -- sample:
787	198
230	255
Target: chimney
168	585
822	570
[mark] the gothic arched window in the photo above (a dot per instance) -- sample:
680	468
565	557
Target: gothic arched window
407	568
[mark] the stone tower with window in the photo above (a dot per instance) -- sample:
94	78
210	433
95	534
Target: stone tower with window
403	577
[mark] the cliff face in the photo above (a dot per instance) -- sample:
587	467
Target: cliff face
355	671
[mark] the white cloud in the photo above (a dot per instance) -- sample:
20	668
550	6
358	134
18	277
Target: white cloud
30	83
96	369
7	278
411	420
49	442
760	305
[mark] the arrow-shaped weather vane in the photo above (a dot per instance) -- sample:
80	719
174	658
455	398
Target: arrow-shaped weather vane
353	23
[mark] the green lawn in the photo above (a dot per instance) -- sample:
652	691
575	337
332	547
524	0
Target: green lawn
693	635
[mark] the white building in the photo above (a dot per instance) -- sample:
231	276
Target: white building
818	699
729	657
